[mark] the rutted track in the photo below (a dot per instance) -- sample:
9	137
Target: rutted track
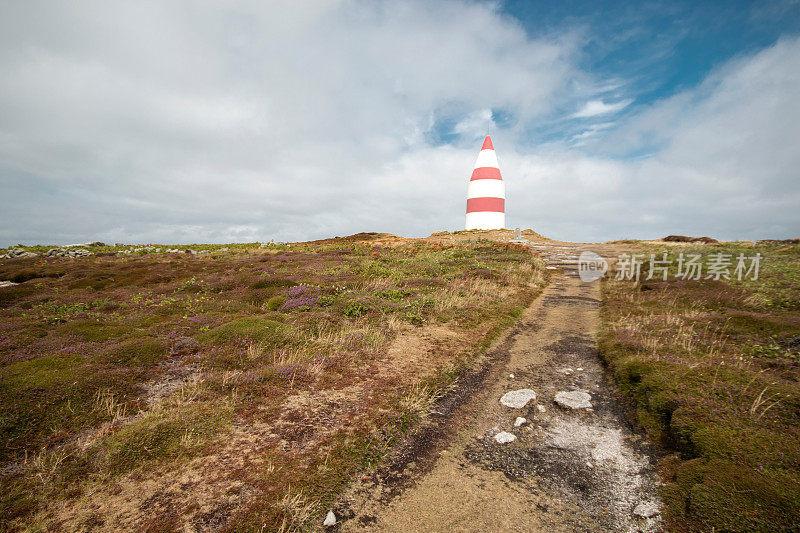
568	470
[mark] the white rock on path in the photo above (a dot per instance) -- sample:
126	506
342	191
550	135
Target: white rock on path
330	519
646	509
505	437
518	399
574	399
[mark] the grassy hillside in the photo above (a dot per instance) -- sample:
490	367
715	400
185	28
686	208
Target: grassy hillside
714	367
241	387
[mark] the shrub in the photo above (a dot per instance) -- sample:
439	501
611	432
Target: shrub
271	283
394	295
326	300
355	309
300	303
26	275
415	318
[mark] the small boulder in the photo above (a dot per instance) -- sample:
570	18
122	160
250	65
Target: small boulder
517	399
646	509
330	519
574	399
504	437
185	345
519	421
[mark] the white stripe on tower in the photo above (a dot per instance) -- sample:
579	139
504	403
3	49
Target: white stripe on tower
486	192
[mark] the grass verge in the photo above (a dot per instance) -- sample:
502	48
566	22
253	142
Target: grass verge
713	368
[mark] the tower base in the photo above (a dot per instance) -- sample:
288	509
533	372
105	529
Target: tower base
485	220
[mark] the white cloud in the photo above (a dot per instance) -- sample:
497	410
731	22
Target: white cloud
218	122
196	120
593	108
723	162
475	125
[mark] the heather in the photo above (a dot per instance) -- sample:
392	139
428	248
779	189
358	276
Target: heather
307	363
713	368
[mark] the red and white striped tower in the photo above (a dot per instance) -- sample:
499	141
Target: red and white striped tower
486	194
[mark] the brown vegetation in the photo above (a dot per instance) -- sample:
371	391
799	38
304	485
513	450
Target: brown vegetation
232	390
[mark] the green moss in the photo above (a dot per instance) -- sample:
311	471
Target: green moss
159	435
274	303
93	331
42	371
46	396
136	352
762	502
255	329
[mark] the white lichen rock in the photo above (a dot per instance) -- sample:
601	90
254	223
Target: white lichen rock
646	509
504	437
574	399
518	399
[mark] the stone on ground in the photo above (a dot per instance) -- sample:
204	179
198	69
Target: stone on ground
505	437
519	421
518	399
330	519
646	509
574	399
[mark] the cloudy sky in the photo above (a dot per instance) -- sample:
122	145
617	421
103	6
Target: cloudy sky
181	122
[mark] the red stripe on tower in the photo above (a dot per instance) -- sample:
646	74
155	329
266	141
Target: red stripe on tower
486	192
486	173
496	205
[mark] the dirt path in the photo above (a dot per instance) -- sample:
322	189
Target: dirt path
567	470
